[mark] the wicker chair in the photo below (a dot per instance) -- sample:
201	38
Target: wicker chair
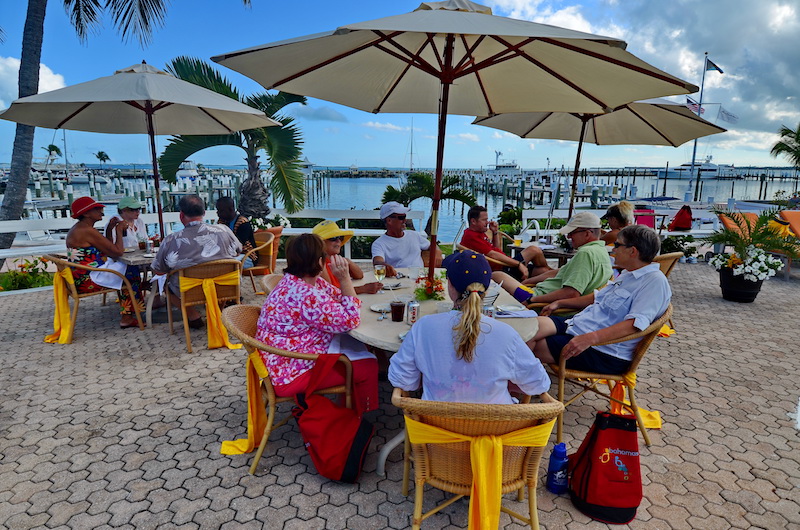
448	467
264	264
269	282
589	381
73	293
195	296
426	258
241	320
667	261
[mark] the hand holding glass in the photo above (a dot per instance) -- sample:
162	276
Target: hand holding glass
380	274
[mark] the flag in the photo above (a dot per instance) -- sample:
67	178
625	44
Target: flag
724	115
694	106
711	66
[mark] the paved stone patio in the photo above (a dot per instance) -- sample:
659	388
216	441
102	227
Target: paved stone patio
122	429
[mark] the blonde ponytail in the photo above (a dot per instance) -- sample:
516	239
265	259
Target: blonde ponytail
469	327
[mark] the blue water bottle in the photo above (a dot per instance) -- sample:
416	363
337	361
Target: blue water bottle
557	470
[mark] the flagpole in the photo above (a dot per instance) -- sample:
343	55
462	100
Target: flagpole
699	111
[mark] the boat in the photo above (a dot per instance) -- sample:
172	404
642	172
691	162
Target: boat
503	169
708	170
187	170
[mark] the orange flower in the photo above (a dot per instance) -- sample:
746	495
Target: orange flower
733	261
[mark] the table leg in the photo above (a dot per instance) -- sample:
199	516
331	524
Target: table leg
386	449
151	296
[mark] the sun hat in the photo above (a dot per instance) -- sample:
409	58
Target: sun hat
81	205
329	229
129	202
393	207
467	267
580	220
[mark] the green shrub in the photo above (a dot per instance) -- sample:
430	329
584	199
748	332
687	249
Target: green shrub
28	274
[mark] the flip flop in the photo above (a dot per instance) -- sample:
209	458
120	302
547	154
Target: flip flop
134	324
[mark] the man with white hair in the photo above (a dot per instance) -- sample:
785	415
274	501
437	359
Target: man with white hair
398	248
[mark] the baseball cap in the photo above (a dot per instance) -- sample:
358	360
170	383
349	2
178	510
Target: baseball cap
129	202
580	220
465	268
329	229
393	207
81	205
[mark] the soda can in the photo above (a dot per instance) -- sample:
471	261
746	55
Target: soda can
488	310
412	312
149	246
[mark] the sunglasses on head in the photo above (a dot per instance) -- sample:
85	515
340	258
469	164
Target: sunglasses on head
402	217
337	238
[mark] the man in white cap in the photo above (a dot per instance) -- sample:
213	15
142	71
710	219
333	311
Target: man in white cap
398	248
589	268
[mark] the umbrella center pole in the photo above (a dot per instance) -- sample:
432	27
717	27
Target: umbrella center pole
157	192
584	120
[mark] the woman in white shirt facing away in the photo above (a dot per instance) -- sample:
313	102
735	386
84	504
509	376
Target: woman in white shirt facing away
465	356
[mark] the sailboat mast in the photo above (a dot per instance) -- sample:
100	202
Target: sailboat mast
66	160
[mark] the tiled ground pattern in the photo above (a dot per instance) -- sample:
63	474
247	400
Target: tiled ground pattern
122	429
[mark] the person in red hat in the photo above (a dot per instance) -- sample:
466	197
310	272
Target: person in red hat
87	246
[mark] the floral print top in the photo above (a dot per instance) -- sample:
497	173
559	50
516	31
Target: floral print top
301	318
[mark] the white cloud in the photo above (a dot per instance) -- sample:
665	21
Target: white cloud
385	126
532	146
499	135
368	137
468	136
9	80
760	141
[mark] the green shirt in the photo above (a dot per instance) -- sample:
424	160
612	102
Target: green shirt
589	269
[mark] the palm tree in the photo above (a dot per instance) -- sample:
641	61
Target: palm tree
419	185
103	157
788	145
131	18
281	144
52	152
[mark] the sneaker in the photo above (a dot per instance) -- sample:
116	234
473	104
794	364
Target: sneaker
691	259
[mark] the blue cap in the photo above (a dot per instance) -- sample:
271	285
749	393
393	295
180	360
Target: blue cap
467	267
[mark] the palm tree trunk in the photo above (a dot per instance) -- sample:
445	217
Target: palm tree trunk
22	154
254	196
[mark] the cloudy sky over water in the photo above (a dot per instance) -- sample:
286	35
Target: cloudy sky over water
755	44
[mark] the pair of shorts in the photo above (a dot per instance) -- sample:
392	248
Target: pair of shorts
514	271
590	360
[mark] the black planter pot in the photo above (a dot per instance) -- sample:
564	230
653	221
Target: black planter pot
736	288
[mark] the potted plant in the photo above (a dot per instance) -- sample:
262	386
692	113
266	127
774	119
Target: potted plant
274	224
754	239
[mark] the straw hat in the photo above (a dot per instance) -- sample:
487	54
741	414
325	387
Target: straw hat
329	229
81	205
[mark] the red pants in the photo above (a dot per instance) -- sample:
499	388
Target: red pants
365	384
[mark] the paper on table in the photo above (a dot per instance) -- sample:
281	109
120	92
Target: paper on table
347	345
525	313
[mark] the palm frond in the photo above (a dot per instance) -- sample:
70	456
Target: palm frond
282	144
180	148
788	145
137	18
759	233
288	184
271	104
84	15
201	73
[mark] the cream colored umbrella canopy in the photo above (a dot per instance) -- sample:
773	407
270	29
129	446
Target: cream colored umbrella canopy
455	57
649	122
138	99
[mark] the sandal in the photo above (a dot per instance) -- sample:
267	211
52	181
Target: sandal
197	323
133	323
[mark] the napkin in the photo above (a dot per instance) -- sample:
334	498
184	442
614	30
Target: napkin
523	313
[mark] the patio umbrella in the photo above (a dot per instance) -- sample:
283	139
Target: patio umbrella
456	57
138	99
648	122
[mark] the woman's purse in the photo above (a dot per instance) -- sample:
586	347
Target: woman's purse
337	438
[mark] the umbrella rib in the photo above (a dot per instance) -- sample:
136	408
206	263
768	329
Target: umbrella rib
409	64
692	116
657	131
326	62
409	57
623	64
65	120
547	115
216	120
469	59
510	52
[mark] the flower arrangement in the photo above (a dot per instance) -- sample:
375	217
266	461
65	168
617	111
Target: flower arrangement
753	238
28	274
262	223
428	290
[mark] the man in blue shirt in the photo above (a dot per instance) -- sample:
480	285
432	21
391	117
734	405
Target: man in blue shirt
630	303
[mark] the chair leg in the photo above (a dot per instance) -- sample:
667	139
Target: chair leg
264	437
73	320
186	328
533	508
253	281
406	464
417	521
639	419
560	420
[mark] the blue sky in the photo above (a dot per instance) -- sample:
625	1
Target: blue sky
753	42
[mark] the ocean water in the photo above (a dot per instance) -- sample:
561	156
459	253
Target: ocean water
367	194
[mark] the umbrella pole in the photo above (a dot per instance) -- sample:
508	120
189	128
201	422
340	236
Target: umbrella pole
584	119
437	185
151	133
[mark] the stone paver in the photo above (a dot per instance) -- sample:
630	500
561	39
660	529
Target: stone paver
122	428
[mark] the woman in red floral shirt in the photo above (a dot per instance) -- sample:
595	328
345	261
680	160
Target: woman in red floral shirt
304	314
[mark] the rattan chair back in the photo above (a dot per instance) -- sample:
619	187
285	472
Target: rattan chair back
667	261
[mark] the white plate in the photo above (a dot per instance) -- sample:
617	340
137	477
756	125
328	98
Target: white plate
130	250
380	308
510	308
148	255
393	286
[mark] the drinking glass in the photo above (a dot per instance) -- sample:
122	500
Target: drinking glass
380	274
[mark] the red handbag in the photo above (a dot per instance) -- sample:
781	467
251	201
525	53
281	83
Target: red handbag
605	477
682	219
336	438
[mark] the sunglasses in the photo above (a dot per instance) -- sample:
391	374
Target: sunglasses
578	231
617	244
133	209
398	216
337	238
